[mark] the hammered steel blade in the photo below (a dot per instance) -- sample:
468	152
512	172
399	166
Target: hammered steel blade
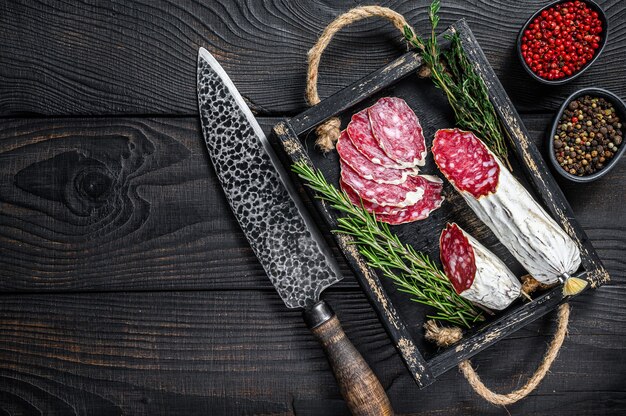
258	189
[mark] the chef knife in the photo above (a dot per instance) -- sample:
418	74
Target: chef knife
279	229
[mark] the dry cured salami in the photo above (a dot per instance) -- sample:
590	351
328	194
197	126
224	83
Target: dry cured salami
365	167
507	208
367	205
360	134
457	257
431	200
468	165
398	131
402	195
392	190
475	272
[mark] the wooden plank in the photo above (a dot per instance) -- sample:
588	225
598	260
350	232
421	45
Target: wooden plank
242	352
187	239
135	353
117	204
139	57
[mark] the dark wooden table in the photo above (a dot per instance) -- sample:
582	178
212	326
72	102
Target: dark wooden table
127	286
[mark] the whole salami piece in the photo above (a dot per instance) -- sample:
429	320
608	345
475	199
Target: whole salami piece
360	134
475	272
401	195
398	131
431	200
507	208
365	167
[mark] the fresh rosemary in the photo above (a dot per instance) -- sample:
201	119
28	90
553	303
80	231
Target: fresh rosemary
414	273
453	73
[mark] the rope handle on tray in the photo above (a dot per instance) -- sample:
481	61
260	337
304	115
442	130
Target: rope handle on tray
446	336
328	133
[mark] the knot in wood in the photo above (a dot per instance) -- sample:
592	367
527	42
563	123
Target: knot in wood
94	185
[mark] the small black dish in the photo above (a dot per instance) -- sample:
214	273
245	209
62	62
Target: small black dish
620	108
604	36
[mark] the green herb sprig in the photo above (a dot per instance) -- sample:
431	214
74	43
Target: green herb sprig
413	272
453	73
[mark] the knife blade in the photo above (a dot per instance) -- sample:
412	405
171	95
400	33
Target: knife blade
278	227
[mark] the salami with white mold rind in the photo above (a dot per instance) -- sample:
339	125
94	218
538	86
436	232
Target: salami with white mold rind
402	195
505	206
367	169
398	131
475	272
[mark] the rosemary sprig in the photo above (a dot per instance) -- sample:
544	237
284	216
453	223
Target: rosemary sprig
413	272
453	73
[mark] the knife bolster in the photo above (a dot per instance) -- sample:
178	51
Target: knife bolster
318	314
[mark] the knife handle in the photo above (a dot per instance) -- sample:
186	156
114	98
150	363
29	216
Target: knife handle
358	384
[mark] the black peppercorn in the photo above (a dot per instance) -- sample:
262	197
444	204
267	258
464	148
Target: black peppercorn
589	133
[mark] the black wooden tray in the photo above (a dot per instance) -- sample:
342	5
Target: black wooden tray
402	318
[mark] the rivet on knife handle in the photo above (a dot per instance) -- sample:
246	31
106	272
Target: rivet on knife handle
359	386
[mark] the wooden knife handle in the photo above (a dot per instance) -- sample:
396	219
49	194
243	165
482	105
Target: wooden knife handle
358	384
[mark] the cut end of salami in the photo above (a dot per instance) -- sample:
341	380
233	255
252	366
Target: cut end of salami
398	131
457	258
466	162
475	272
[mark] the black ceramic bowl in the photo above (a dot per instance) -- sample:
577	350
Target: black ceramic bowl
620	108
603	37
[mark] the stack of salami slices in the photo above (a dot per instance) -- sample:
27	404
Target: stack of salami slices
380	152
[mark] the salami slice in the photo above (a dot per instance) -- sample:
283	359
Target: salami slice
475	272
466	162
398	131
365	167
402	195
431	200
360	134
369	206
506	207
